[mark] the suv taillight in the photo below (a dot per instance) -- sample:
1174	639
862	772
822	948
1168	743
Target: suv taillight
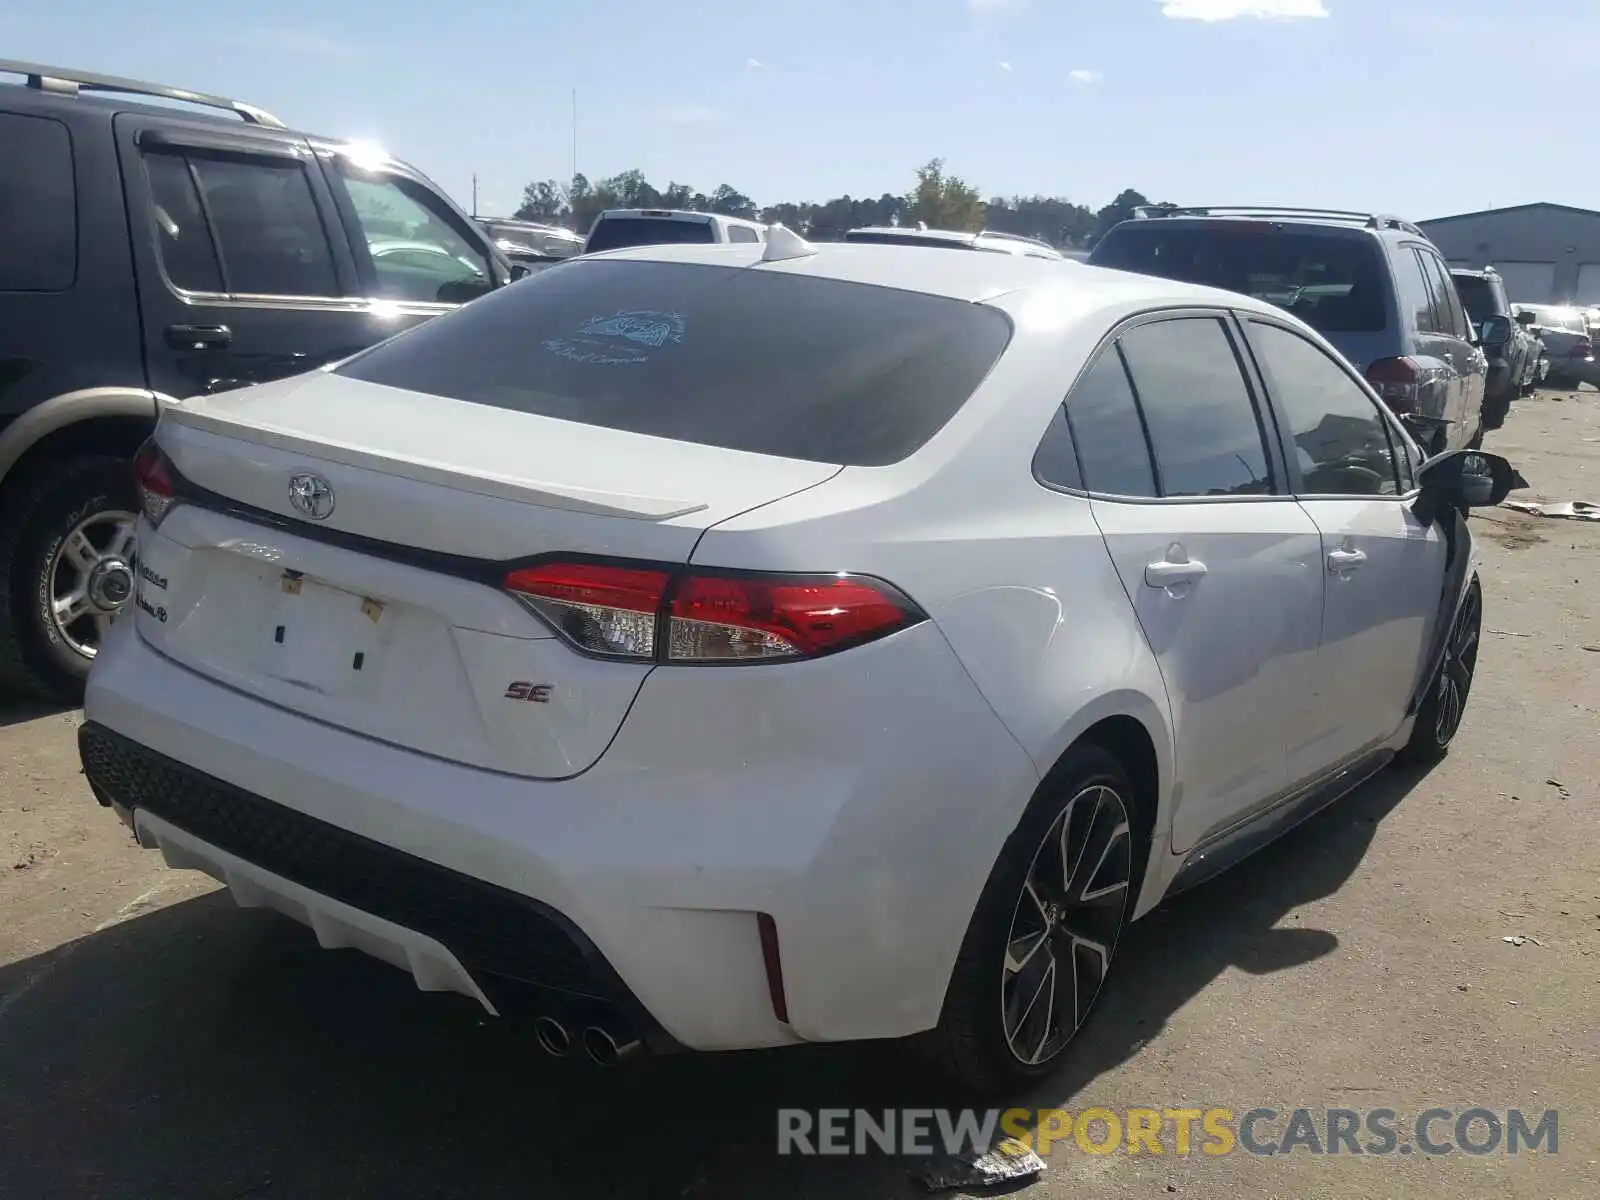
1398	382
157	480
1582	348
648	613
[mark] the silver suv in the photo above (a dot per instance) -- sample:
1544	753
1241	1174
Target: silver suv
1373	285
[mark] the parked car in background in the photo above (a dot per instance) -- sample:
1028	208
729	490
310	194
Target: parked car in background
1373	285
531	244
1567	343
618	228
156	252
954	239
855	661
1512	350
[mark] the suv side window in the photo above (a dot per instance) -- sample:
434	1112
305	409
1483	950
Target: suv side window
738	233
1452	317
1341	441
38	206
187	253
1202	421
1416	297
417	254
267	227
1101	419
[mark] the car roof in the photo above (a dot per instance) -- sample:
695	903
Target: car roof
974	278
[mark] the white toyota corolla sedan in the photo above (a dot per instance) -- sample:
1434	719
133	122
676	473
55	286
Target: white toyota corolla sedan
717	647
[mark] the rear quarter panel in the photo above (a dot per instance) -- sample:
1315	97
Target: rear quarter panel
1015	575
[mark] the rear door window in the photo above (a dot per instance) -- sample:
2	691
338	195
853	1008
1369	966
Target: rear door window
1416	294
616	233
267	227
1333	282
1202	420
1101	421
38	206
1449	317
788	365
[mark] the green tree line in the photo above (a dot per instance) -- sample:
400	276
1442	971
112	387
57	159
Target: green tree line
942	200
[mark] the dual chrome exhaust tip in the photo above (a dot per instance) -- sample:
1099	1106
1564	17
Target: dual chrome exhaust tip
599	1044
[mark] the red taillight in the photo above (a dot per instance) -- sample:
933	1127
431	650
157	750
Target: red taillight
1397	381
649	613
157	481
1582	348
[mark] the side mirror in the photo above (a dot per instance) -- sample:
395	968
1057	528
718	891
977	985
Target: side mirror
460	291
1465	479
519	271
1495	331
1524	318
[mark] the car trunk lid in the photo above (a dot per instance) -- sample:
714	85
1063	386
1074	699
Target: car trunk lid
375	604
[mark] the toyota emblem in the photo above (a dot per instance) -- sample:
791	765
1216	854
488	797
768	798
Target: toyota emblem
311	495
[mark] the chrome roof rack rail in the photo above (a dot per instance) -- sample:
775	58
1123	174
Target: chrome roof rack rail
66	81
1370	220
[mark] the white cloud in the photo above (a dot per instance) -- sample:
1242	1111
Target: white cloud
1084	78
994	6
754	63
1234	10
1003	65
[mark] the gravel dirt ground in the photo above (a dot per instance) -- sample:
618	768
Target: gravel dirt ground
155	1041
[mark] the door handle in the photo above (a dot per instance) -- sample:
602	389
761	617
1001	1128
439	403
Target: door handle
1340	561
199	337
1167	574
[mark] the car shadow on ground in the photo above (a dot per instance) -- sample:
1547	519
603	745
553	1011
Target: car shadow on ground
18	709
207	1052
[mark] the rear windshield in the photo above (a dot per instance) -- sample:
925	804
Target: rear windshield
1477	295
1334	284
746	359
614	233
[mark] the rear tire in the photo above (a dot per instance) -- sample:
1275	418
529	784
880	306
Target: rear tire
1439	718
59	518
1046	928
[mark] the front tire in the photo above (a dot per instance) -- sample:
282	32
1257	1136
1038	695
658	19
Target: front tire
1439	718
65	570
1046	928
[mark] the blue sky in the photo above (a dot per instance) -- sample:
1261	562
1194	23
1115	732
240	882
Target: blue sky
1410	106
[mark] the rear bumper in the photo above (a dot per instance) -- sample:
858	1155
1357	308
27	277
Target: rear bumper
860	805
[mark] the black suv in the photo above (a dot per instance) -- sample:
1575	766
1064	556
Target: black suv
1373	285
151	254
1512	349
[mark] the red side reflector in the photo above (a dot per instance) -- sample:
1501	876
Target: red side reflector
774	966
